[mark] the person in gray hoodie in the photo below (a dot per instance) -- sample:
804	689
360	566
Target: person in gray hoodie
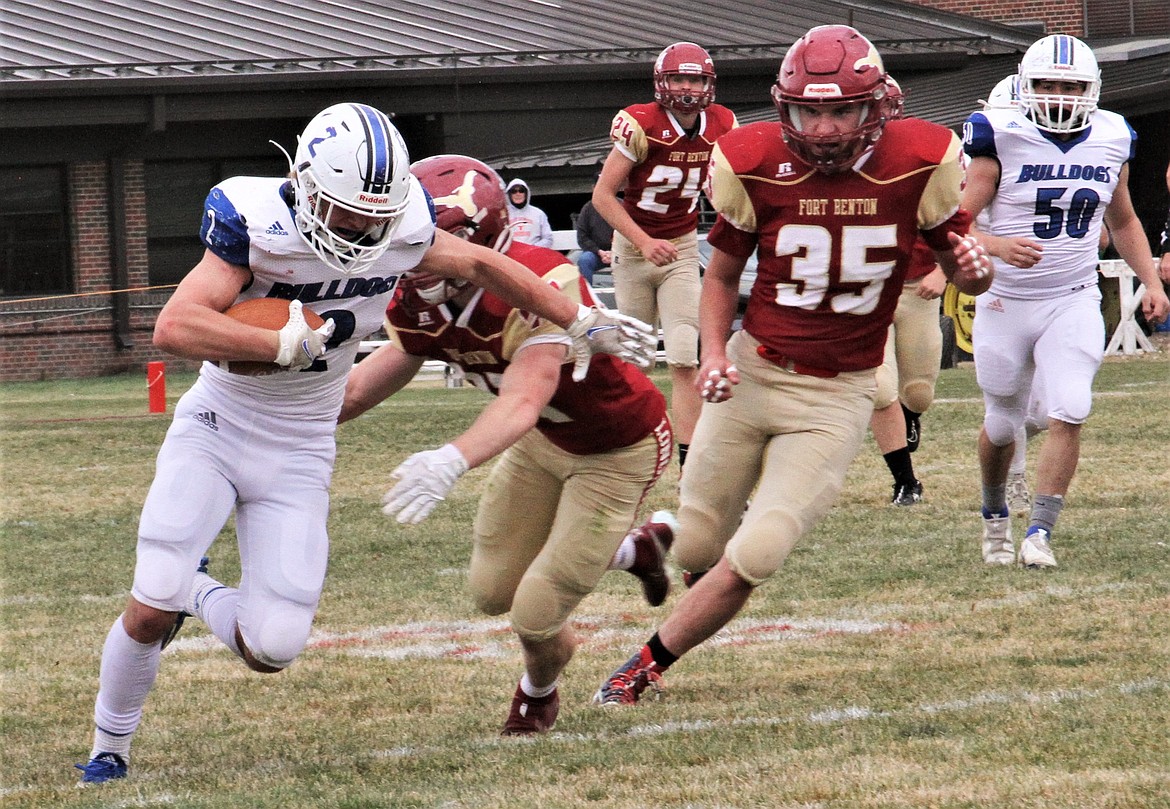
529	223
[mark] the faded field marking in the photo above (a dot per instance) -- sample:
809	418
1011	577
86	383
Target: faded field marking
855	713
493	638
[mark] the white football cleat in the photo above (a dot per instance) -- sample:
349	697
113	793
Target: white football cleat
1019	499
998	548
1035	551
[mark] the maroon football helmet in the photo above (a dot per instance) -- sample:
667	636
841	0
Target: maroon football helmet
896	98
832	65
686	59
469	198
469	203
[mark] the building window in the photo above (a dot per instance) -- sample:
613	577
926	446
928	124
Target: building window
175	191
34	237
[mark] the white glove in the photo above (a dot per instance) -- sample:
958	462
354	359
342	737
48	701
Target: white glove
604	331
300	345
423	482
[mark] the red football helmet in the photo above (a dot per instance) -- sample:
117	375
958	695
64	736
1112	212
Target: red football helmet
469	198
469	203
685	59
832	65
897	98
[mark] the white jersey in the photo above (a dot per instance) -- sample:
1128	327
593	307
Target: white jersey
248	221
1051	191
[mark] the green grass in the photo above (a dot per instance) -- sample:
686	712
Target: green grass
884	666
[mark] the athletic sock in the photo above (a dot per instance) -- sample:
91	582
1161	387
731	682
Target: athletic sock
217	609
128	671
994	500
901	466
623	557
1045	510
536	693
661	655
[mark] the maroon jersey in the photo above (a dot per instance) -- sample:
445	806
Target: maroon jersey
670	167
833	249
615	406
922	260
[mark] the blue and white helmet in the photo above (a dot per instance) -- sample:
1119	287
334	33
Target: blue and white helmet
351	157
1059	58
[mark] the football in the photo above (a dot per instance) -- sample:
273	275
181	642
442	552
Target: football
266	313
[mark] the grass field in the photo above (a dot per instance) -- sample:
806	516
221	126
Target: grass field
884	666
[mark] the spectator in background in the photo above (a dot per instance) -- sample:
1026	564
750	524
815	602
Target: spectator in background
595	238
529	223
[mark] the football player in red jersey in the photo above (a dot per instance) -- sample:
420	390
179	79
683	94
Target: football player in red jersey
909	370
831	199
576	458
659	158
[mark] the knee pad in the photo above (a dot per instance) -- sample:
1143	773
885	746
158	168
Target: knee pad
160	577
887	387
280	636
490	597
1001	426
699	541
541	608
682	346
918	396
490	602
756	556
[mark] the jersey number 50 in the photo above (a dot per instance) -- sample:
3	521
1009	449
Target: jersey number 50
1076	223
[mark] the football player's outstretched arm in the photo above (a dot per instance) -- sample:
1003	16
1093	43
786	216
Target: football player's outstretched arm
592	331
528	384
376	378
452	257
425	478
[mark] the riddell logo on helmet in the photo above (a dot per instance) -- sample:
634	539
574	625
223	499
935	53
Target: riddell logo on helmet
823	90
690	67
376	200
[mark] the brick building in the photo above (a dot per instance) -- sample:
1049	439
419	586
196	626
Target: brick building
110	148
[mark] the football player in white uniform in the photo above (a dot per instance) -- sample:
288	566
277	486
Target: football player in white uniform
1049	174
1006	96
335	238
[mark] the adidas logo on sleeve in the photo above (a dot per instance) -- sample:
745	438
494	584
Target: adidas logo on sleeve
208	419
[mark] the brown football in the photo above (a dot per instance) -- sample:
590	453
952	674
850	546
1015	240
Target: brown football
266	313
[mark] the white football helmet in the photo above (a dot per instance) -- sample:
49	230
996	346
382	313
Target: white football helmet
1005	95
1059	58
350	157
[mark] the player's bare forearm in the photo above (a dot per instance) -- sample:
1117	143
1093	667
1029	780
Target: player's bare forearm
527	386
376	378
506	278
